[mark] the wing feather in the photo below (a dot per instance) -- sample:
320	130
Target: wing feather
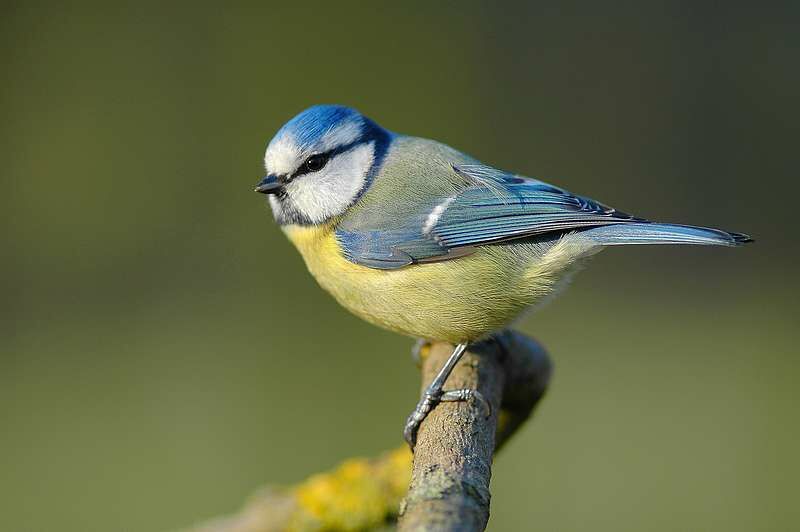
495	206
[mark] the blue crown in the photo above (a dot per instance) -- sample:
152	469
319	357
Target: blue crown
308	127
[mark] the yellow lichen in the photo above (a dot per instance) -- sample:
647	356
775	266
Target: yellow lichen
358	495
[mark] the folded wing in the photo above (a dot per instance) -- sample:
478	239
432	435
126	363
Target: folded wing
495	206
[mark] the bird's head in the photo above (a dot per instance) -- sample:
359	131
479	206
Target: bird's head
320	162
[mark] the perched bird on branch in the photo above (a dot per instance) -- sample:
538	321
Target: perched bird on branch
419	238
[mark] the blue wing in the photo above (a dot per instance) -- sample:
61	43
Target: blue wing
495	206
503	207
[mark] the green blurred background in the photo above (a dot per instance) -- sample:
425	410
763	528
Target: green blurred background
164	352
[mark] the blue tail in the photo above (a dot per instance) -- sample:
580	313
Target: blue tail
654	233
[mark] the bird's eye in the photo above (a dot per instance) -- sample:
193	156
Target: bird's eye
315	163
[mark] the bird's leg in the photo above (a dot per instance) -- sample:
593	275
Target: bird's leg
434	394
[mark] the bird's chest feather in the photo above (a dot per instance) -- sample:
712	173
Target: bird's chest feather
324	259
374	295
455	300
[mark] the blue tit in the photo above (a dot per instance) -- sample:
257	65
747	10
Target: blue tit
419	238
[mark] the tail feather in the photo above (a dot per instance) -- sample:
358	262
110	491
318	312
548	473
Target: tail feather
656	233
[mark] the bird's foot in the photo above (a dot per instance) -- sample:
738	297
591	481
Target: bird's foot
465	394
430	399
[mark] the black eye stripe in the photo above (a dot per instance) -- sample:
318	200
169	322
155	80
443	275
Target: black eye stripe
326	157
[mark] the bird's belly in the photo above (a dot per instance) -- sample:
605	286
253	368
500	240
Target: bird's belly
456	301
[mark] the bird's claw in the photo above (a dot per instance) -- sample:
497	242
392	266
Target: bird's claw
465	394
425	405
429	402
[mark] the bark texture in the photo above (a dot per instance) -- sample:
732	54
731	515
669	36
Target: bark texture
456	443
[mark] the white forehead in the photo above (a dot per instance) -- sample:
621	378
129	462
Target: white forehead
285	152
282	155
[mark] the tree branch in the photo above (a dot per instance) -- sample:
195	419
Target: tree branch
455	445
451	468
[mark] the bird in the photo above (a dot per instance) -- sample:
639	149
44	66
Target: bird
419	238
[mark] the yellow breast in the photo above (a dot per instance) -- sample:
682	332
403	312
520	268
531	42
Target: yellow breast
455	301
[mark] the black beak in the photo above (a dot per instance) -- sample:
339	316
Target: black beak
269	185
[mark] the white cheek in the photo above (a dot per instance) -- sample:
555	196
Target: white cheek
329	192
